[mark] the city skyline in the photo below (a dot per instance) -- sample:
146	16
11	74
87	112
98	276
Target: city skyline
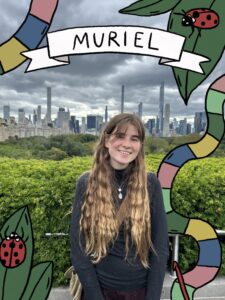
92	82
37	115
43	112
65	123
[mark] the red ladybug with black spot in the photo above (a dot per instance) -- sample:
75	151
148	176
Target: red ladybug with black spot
12	251
201	18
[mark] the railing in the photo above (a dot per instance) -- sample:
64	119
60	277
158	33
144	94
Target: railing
175	244
175	247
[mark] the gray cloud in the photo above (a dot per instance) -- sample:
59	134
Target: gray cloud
92	81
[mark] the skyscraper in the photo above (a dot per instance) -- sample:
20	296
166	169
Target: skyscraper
39	114
83	125
200	121
122	99
161	106
63	118
106	114
21	116
49	105
166	120
91	122
140	110
94	122
35	117
6	112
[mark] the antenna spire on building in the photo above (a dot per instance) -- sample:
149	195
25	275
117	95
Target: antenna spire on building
122	99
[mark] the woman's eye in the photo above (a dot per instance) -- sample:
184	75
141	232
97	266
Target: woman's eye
119	135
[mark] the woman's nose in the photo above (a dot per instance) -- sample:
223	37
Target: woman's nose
126	142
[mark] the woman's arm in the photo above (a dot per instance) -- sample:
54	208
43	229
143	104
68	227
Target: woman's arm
81	262
159	235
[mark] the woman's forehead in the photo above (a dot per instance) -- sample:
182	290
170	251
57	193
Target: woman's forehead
124	128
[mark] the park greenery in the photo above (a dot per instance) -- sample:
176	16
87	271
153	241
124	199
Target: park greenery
45	181
66	146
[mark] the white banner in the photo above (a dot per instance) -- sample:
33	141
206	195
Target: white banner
114	39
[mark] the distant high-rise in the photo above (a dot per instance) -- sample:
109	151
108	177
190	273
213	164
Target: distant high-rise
91	122
166	120
183	126
157	125
63	118
122	99
151	125
39	114
49	105
94	122
83	125
188	128
6	112
200	121
35	117
106	114
77	126
161	106
21	116
73	123
140	110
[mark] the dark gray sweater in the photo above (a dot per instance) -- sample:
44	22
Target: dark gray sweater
113	272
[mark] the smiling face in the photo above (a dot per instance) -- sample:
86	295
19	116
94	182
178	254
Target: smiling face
123	146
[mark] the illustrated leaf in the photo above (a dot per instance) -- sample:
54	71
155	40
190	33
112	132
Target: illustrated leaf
149	7
39	284
18	223
205	42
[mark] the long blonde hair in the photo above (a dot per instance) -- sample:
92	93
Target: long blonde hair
99	221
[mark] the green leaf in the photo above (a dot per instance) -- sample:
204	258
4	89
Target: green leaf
17	277
40	281
205	42
149	7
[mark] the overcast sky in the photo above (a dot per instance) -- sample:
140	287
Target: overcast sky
91	82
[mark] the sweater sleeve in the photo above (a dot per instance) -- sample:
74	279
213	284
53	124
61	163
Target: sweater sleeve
159	234
81	262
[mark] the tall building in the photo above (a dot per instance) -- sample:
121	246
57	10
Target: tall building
183	127
6	112
161	106
35	117
122	99
83	125
77	126
106	114
166	120
157	125
39	114
63	118
188	128
99	122
72	123
49	105
91	122
175	123
200	122
94	122
21	116
151	125
140	110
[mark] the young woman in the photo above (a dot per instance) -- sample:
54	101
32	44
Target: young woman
118	232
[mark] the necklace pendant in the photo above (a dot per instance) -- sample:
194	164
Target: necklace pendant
120	196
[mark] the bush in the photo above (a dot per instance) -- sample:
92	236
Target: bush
48	187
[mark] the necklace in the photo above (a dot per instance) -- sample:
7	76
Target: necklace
119	189
120	195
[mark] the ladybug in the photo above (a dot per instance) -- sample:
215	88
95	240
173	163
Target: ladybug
12	251
202	18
